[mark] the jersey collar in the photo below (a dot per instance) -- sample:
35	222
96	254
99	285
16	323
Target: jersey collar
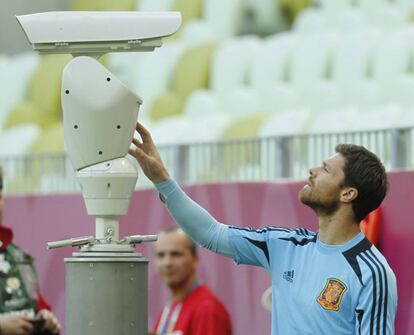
330	249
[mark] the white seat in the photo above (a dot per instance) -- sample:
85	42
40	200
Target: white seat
370	5
202	104
350	20
279	97
352	57
196	32
392	56
232	62
16	73
155	5
406	119
310	20
310	60
334	121
322	95
240	101
293	122
364	93
378	118
271	61
17	141
334	6
233	103
223	17
384	14
405	5
401	92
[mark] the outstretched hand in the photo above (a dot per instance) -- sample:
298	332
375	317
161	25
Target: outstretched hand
148	157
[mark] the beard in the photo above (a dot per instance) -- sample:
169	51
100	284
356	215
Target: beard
320	206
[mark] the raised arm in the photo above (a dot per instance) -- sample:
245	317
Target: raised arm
193	219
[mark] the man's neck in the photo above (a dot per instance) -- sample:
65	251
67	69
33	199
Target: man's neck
181	291
337	228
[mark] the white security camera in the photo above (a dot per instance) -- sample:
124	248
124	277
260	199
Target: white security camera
106	282
99	111
97	33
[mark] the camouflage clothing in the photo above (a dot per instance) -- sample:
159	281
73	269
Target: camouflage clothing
19	292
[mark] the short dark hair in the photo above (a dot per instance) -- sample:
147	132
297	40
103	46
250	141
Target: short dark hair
191	244
364	171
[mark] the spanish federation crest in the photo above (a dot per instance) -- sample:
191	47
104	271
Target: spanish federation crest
331	296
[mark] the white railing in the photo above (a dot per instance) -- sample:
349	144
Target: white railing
252	159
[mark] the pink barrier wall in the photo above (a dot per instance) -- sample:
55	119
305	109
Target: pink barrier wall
38	219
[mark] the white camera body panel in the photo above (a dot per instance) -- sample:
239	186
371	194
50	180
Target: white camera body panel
107	186
99	113
81	33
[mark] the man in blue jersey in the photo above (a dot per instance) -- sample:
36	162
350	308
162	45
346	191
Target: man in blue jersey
333	281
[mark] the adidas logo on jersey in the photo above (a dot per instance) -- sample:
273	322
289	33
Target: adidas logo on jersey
288	275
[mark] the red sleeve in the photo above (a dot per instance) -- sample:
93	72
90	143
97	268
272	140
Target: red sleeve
154	328
210	319
42	304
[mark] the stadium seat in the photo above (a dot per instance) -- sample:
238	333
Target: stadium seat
239	101
311	59
352	57
271	62
334	6
406	5
364	93
227	24
322	95
196	32
50	140
334	121
311	20
349	20
401	91
392	56
378	118
202	104
231	63
16	73
277	98
17	141
384	14
292	122
155	5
